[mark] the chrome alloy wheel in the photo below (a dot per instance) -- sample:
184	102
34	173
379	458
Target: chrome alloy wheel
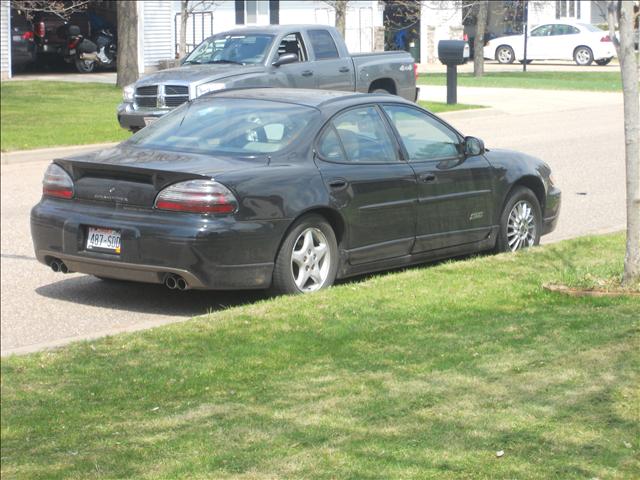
583	56
310	260
521	226
504	55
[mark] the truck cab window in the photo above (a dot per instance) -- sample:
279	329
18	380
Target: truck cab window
293	43
323	44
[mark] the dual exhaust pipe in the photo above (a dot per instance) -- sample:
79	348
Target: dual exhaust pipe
175	282
58	265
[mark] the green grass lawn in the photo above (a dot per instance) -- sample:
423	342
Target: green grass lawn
423	373
39	114
440	107
604	81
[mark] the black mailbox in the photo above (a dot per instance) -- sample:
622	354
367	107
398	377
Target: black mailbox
453	52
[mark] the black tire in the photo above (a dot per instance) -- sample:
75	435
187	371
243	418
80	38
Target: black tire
84	67
283	272
505	54
604	61
519	194
583	56
381	90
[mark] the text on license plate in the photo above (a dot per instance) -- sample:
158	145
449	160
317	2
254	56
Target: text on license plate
149	120
103	239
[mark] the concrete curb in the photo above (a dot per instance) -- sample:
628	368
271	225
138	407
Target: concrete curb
45	154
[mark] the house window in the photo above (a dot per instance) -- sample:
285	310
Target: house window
567	8
257	12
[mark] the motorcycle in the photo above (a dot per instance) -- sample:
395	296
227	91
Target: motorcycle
85	53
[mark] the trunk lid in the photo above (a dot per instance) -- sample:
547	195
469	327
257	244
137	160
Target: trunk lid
134	176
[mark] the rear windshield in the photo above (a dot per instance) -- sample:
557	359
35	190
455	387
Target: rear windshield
225	125
591	28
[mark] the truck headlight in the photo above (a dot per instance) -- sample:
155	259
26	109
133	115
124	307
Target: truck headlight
128	92
208	87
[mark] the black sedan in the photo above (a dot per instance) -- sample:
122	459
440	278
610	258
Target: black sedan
289	190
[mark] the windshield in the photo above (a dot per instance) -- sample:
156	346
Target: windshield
239	49
227	125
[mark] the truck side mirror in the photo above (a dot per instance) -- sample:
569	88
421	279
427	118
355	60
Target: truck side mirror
285	59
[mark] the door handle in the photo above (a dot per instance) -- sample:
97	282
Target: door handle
307	73
338	184
427	177
344	70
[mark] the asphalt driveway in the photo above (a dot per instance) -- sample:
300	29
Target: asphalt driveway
580	136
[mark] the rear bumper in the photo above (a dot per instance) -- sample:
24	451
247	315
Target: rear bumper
216	253
551	210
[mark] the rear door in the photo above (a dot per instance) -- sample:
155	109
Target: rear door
455	197
375	191
566	39
335	72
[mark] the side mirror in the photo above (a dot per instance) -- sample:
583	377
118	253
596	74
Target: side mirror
473	146
285	59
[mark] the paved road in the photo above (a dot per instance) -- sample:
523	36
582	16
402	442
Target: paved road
582	140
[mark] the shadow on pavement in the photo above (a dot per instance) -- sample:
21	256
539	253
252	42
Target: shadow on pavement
144	298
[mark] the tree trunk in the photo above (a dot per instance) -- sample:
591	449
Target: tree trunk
128	71
184	16
629	72
478	43
341	16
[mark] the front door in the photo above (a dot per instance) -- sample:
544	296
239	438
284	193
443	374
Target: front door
300	74
454	192
540	43
373	189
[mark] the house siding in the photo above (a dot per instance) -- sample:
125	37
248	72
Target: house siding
158	33
5	41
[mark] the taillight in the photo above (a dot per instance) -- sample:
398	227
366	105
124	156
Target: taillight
40	31
57	182
606	38
27	36
415	70
73	43
197	196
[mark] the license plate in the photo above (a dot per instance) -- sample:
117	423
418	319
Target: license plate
103	239
149	120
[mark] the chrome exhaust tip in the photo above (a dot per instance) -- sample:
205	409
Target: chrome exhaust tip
170	282
181	283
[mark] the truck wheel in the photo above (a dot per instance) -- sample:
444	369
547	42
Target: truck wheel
85	66
381	90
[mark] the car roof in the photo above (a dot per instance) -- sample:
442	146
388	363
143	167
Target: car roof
306	97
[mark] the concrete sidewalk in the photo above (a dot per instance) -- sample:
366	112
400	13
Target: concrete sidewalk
523	101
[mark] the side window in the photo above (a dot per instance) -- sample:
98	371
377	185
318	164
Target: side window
329	146
364	136
423	137
323	44
564	30
542	31
293	43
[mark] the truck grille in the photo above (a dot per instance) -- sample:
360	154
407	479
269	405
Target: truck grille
161	96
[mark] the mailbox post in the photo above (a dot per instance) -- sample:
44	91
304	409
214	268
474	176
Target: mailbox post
453	53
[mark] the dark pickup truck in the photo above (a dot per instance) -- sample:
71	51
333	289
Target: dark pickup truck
298	56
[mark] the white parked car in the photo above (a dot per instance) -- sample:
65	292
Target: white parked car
560	40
